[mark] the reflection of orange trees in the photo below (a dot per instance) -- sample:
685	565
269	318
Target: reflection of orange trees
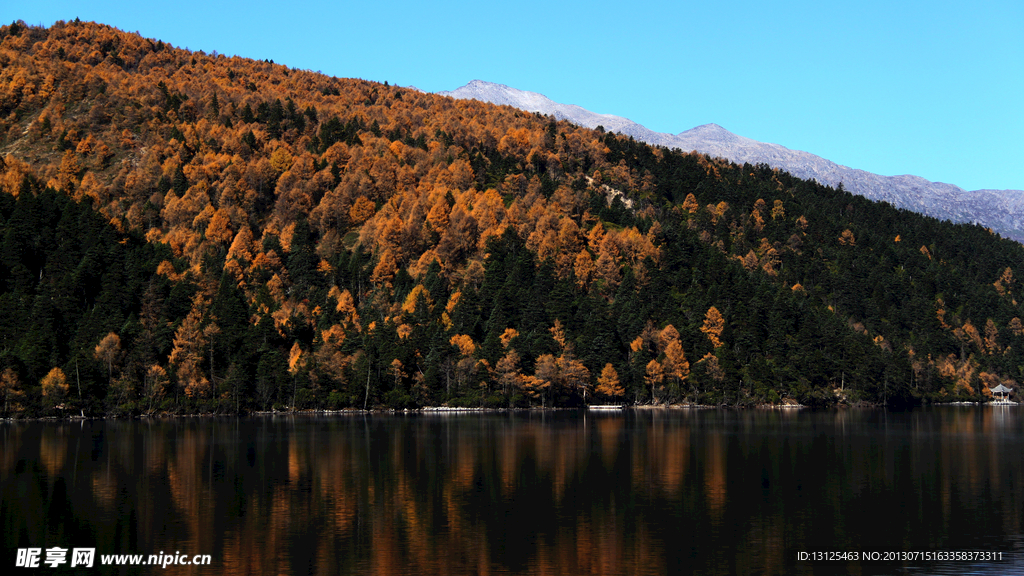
715	475
13	444
660	457
191	489
336	493
184	470
53	449
609	431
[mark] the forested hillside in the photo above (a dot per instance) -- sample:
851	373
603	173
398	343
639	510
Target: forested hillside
188	232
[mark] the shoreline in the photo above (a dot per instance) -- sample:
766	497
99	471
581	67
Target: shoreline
459	410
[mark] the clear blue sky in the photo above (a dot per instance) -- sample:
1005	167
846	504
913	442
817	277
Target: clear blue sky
934	88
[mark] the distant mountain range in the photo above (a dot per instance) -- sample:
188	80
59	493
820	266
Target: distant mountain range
1000	210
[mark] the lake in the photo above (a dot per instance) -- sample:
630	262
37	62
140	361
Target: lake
657	491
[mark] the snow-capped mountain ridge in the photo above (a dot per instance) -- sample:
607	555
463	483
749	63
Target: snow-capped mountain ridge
1000	210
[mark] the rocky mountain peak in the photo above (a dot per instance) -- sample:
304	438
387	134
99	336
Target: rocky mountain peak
1000	210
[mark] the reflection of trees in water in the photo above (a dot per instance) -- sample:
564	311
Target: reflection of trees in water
649	491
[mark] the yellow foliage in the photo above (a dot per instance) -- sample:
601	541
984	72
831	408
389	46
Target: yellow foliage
637	344
55	385
654	373
453	301
166	269
690	204
558	333
507	336
361	210
1005	280
608	382
409	306
385	270
296	359
713	326
778	211
718	210
1016	327
335	335
404	331
675	364
464	343
280	160
712	367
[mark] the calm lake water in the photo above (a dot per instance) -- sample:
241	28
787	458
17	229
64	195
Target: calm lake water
640	492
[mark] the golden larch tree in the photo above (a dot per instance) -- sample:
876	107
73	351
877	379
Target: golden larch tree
991	335
545	372
188	347
464	343
108	351
713	326
608	383
55	387
675	364
361	210
1016	327
507	371
778	211
712	367
385	270
10	391
155	383
654	376
1005	281
690	203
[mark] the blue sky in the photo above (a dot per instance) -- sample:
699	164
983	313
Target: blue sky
934	89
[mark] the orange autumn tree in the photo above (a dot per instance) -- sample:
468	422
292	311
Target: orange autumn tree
654	375
54	387
570	373
187	354
608	383
675	366
713	326
10	391
507	369
108	351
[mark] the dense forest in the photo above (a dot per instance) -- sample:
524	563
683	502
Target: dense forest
186	232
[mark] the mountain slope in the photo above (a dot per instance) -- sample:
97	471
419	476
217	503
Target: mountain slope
1001	210
187	232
